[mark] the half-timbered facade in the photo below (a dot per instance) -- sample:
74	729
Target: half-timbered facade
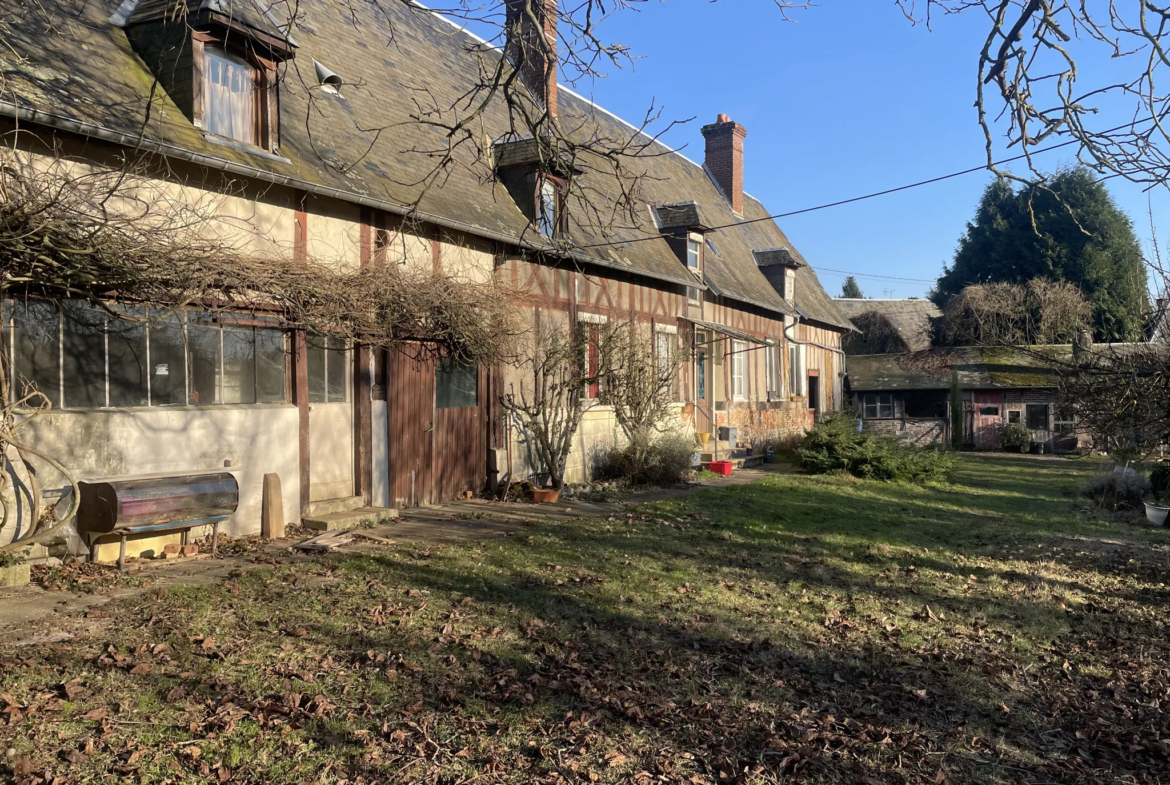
273	126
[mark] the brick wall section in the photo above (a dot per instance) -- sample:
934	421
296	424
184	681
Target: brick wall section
784	424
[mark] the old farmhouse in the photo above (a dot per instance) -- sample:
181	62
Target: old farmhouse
310	143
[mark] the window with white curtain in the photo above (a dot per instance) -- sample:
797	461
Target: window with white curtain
229	96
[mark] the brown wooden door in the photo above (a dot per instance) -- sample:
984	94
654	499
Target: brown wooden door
410	397
460	452
988	416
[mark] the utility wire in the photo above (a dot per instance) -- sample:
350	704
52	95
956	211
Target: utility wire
874	195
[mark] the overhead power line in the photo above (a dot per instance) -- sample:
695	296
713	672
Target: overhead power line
873	195
820	269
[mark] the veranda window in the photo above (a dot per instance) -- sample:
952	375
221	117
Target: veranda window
81	357
327	363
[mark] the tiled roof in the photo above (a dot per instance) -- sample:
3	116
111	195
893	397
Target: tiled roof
909	318
246	12
69	63
684	215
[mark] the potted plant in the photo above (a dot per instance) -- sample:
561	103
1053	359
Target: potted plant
546	495
1158	508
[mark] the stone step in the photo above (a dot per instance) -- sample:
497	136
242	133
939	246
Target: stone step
328	506
349	519
739	453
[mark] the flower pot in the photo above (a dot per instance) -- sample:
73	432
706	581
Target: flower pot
1156	515
545	495
702	437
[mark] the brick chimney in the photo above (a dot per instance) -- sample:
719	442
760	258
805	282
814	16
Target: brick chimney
527	21
724	158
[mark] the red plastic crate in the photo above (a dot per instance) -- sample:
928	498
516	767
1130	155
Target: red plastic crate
720	467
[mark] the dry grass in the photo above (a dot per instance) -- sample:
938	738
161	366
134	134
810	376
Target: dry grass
797	629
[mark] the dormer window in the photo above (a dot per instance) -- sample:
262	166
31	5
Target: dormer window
536	174
218	63
694	249
229	96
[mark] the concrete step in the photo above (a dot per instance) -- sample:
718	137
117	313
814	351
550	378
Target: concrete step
328	506
349	519
739	453
742	462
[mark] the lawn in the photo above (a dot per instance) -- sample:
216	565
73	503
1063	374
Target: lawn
794	630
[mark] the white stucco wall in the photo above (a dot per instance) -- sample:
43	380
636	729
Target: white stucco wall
107	443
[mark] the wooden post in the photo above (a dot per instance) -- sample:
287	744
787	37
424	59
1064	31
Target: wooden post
272	509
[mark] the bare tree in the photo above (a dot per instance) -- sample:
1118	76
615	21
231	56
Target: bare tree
553	394
641	369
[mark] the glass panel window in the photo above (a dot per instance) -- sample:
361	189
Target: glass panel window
327	361
36	340
693	294
126	341
239	365
796	377
885	405
738	370
1036	416
229	96
549	209
693	254
83	355
335	356
168	359
270	365
204	350
1014	415
456	384
1062	421
989	411
316	364
878	406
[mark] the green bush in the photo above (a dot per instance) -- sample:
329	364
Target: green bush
836	443
665	460
1160	480
1016	437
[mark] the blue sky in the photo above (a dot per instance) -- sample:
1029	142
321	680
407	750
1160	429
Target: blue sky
849	99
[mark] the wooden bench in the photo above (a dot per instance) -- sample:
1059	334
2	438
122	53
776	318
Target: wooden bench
158	504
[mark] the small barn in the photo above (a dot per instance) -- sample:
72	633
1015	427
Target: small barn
908	395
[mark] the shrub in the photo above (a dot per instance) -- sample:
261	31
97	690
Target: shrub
1016	437
665	460
1160	480
1122	489
837	443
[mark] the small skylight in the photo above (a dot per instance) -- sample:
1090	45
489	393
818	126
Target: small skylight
711	245
330	82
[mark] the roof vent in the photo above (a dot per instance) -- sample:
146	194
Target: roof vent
330	82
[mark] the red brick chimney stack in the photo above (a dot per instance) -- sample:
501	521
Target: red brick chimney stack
527	22
724	157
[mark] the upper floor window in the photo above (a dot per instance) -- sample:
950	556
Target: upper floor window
229	96
549	207
694	249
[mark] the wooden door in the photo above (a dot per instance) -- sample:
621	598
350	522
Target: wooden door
460	449
410	397
988	419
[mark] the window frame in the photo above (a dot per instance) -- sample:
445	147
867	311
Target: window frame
874	401
739	370
265	101
1015	416
702	363
558	224
1028	418
797	361
666	337
148	321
